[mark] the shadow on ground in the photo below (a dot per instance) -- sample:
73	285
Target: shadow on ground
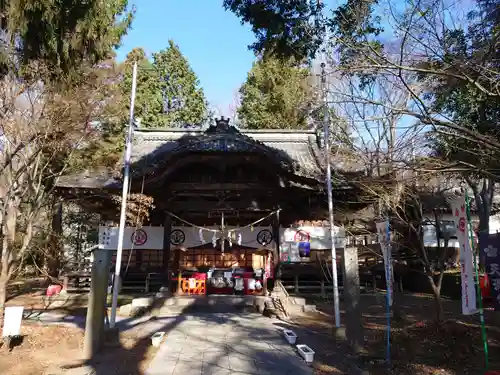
418	345
224	340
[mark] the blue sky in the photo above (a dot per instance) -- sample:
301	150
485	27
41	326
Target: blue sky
213	40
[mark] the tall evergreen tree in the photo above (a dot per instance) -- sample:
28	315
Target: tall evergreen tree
277	95
168	91
62	34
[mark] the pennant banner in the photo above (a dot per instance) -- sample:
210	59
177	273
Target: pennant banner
383	232
490	252
466	256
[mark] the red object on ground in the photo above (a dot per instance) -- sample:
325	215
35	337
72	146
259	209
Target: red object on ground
53	290
485	286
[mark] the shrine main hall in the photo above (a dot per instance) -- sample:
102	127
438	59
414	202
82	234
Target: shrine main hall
227	210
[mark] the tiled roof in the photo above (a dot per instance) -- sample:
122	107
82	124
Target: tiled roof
297	150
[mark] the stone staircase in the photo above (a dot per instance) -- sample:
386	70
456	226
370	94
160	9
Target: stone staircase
287	306
210	304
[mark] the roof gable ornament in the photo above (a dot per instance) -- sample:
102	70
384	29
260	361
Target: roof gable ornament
221	126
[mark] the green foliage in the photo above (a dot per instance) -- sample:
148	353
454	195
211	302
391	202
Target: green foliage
291	28
469	52
277	95
168	92
63	34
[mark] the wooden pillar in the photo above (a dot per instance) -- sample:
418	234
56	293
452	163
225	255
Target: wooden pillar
96	308
54	258
354	330
276	235
167	228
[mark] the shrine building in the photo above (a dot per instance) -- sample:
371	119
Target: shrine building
227	204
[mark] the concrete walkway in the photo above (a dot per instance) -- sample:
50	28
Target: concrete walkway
225	344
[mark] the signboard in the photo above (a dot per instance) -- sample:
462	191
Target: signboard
12	321
150	238
466	257
490	252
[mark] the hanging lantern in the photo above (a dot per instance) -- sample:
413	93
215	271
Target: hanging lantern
214	239
239	239
229	240
251	228
200	235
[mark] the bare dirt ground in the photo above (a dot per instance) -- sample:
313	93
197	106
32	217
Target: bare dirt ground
56	349
418	345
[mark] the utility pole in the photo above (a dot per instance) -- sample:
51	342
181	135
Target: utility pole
326	130
126	178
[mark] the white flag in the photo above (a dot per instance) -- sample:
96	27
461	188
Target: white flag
458	208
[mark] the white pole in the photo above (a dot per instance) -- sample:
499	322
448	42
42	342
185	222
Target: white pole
326	130
126	178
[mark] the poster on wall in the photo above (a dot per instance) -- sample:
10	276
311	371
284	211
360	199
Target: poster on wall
285	253
295	252
319	238
490	252
466	256
150	238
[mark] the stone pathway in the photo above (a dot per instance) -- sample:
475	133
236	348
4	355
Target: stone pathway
226	344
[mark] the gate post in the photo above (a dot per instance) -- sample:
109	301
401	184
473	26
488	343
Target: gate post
354	330
96	309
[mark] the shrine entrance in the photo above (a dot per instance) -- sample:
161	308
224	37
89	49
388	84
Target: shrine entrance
225	260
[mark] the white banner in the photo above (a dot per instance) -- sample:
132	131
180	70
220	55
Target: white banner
318	237
256	237
150	238
466	257
383	232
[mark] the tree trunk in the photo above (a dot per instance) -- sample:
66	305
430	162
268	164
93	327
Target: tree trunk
439	306
436	291
8	248
55	249
3	297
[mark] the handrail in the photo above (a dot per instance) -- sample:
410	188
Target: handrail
285	293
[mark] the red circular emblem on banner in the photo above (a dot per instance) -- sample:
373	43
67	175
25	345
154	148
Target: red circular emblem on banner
461	224
302	236
139	237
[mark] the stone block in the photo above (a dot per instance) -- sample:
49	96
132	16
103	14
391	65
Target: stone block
143	302
296	301
125	310
340	333
309	308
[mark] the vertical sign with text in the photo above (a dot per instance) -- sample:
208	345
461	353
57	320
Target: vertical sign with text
466	256
490	245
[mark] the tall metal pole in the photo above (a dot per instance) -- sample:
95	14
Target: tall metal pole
326	130
126	178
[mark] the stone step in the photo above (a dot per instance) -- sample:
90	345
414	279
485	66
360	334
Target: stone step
211	303
296	301
301	308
